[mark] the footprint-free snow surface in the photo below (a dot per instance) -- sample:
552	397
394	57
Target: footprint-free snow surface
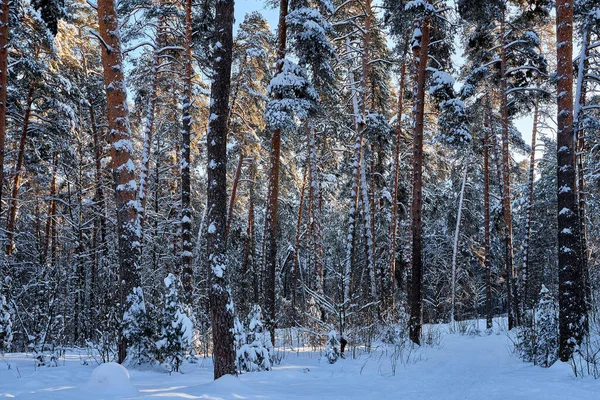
458	367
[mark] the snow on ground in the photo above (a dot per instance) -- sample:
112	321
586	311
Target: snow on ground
460	367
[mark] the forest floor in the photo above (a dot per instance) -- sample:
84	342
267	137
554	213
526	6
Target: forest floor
454	367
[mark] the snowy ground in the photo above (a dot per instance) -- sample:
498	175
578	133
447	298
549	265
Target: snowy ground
460	367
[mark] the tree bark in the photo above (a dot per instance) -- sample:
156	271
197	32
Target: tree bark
14	202
394	225
511	292
271	216
486	222
122	165
527	261
4	32
421	54
186	212
571	298
221	304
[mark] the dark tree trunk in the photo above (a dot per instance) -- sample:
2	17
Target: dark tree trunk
4	15
511	292
421	54
14	201
486	222
571	297
186	213
221	306
271	230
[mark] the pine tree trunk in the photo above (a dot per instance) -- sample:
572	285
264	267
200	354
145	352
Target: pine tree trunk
121	161
186	212
296	267
456	240
271	225
14	201
234	187
421	55
51	208
580	100
221	304
571	298
4	32
394	225
527	261
511	292
486	222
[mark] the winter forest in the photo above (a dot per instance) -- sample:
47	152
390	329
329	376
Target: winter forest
344	195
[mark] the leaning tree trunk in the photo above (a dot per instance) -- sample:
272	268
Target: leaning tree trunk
14	201
456	241
122	166
571	297
186	213
511	292
221	306
271	217
421	55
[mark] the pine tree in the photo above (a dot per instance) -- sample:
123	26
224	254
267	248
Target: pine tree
176	330
546	326
332	349
6	333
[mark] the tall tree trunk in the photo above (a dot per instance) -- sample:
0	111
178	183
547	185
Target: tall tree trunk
394	225
50	222
122	166
221	306
186	212
357	159
571	298
14	201
296	267
486	221
421	54
456	240
234	187
4	31
511	292
273	192
580	100
527	261
148	133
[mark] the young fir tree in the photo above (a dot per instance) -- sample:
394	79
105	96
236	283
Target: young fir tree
254	350
176	328
332	349
546	327
6	333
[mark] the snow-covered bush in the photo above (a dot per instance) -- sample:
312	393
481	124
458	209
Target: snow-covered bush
137	329
332	350
176	330
537	341
5	324
546	323
254	350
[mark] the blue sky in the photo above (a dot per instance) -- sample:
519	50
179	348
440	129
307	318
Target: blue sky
245	6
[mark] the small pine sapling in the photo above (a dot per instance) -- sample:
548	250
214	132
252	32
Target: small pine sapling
5	325
546	324
254	351
176	330
332	350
